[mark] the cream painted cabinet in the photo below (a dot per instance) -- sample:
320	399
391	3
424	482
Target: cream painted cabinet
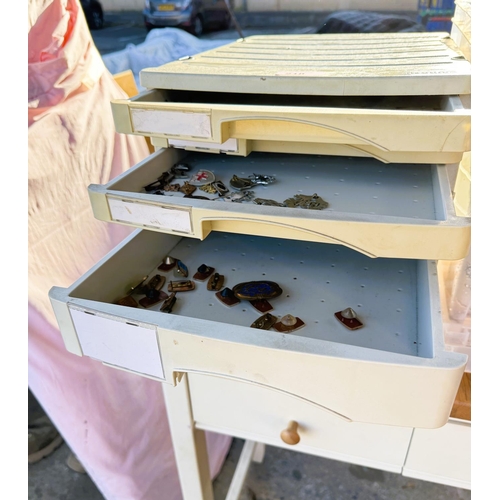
376	146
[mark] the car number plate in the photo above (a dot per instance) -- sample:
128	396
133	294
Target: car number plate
166	6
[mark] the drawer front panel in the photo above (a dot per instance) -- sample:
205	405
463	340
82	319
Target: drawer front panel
257	413
123	344
150	215
176	123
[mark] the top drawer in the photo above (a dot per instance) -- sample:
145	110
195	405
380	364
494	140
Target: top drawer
408	129
391	96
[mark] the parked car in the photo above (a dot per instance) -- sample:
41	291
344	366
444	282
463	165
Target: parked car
195	16
93	13
356	21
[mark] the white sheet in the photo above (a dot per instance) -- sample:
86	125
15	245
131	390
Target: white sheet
116	422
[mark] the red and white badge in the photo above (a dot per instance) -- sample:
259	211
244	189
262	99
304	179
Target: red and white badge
202	177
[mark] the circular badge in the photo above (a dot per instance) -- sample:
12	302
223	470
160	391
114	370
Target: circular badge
202	177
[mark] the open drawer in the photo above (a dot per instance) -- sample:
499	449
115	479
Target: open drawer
398	211
394	370
392	96
393	129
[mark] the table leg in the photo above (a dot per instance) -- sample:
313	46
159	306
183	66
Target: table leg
190	445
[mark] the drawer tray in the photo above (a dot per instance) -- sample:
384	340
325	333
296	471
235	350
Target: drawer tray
393	129
395	370
400	211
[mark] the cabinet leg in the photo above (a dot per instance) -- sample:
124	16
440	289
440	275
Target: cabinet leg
241	471
190	446
259	452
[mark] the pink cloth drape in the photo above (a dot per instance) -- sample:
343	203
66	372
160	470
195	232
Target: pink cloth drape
115	422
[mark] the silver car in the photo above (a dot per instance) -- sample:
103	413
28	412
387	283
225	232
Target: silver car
195	16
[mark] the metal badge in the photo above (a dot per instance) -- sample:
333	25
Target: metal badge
243	183
238	197
349	318
160	183
215	282
203	272
262	305
220	188
313	202
257	290
152	291
265	322
181	269
181	286
271	203
209	188
168	305
179	170
202	177
262	179
167	264
172	187
155	283
227	297
188	188
240	183
288	324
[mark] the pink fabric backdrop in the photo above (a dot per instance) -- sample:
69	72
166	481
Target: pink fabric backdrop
114	421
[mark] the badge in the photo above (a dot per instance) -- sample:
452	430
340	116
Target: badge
202	177
255	290
288	324
203	272
349	319
265	322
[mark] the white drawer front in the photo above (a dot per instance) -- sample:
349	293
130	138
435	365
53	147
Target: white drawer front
176	123
149	215
260	414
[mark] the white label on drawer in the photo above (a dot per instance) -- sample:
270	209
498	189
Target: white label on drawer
229	145
130	346
143	214
171	122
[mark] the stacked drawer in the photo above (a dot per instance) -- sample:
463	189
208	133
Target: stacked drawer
370	124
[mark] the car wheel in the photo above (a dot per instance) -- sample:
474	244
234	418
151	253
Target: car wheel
96	18
198	27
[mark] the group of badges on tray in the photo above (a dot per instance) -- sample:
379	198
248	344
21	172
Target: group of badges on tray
178	179
256	293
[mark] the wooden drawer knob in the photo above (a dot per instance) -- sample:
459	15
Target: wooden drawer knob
290	434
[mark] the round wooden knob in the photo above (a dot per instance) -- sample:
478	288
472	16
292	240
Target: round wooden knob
290	434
